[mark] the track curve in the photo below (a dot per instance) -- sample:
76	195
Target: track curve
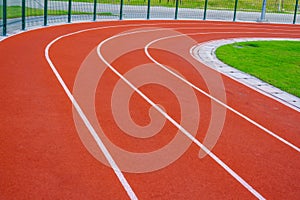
44	157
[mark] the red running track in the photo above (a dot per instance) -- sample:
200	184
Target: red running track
47	153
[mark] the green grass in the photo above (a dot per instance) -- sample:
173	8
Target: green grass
16	12
275	62
246	5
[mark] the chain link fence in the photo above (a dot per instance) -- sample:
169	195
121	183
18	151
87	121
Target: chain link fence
16	15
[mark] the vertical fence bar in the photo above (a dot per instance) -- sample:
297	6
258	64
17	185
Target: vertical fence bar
45	12
176	9
121	9
205	9
95	10
23	14
148	9
263	11
235	8
69	11
295	13
4	17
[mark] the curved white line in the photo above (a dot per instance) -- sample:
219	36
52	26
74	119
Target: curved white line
213	98
89	126
176	124
92	131
86	121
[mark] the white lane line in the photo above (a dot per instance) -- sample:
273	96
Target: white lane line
213	98
176	124
198	89
92	131
84	118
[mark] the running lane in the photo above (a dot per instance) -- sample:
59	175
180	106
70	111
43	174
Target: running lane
44	156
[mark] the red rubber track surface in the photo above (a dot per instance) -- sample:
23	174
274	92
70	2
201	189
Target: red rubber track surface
42	156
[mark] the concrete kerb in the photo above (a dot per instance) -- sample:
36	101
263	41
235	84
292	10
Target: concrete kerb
205	53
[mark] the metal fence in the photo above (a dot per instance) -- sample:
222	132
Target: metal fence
16	15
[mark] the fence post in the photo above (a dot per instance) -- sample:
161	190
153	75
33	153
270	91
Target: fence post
295	13
235	8
23	14
4	17
176	9
205	8
69	11
95	10
45	12
121	10
263	11
148	9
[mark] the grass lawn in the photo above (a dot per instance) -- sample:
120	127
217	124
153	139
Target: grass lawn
16	12
275	62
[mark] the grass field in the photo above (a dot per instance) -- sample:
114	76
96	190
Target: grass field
247	5
275	62
16	12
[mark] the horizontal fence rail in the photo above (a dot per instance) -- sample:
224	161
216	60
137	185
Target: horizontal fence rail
16	15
